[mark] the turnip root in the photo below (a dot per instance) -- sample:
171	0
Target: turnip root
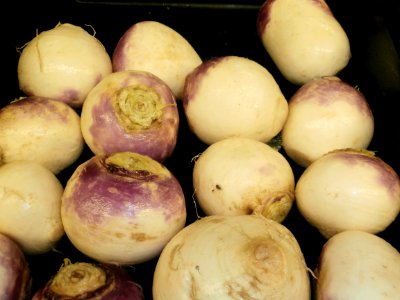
303	38
30	203
348	189
233	96
156	48
326	114
243	176
83	280
63	63
15	277
357	265
232	257
40	129
131	111
122	208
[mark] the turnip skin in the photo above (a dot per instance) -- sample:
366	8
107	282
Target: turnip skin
121	209
63	63
233	96
30	202
357	265
40	129
326	114
83	280
303	38
171	57
15	276
147	124
232	257
243	176
348	189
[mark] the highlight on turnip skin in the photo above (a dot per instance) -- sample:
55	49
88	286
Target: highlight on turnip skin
171	58
30	203
326	114
348	189
40	129
84	280
358	265
15	276
122	208
131	111
232	257
303	38
63	63
233	96
243	176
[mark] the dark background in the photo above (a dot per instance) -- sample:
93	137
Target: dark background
217	29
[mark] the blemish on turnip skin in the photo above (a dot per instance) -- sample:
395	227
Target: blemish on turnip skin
264	16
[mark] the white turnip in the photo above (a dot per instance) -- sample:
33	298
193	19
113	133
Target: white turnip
232	257
15	276
303	38
326	114
348	189
243	176
171	56
122	208
63	63
30	204
357	265
131	111
233	96
40	129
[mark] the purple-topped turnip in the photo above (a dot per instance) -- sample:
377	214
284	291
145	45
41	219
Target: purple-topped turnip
40	129
131	111
63	63
83	280
30	203
15	277
326	114
303	38
122	208
171	56
233	96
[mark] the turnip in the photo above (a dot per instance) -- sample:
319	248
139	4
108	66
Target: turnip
159	49
326	114
357	265
303	38
122	208
63	63
84	280
15	277
232	257
243	176
131	111
233	96
40	129
348	189
30	203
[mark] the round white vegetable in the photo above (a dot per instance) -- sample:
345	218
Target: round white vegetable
232	257
63	63
357	265
243	176
303	38
122	208
348	190
171	57
40	129
30	204
233	96
326	114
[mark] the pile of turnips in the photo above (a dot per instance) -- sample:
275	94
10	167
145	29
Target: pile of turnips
123	206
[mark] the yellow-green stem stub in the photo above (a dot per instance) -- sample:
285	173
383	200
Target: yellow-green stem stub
138	107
